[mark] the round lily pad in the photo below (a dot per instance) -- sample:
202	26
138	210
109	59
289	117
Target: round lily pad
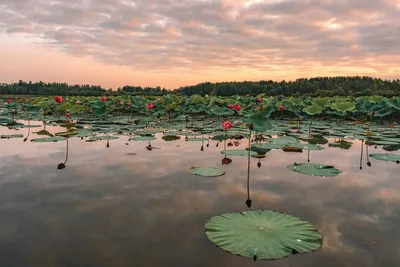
314	169
48	139
142	138
386	157
264	235
8	136
171	137
206	171
97	138
238	153
199	139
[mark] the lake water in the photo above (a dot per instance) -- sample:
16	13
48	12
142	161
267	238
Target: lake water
126	206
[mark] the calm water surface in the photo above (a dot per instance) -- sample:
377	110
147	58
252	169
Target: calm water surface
111	207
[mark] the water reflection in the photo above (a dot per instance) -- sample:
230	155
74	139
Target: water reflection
110	209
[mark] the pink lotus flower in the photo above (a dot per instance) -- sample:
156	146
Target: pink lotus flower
231	106
281	108
9	101
149	106
295	131
68	115
103	98
77	102
259	100
59	99
237	107
227	125
121	103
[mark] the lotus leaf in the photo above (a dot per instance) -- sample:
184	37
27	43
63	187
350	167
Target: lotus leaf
314	169
206	171
238	153
8	136
262	235
48	139
142	138
386	157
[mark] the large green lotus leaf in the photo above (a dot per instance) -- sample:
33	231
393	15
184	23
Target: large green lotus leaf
84	133
171	137
48	139
269	146
238	153
142	138
8	136
386	111
394	103
314	169
384	142
386	157
313	110
341	144
260	150
344	106
44	132
322	102
196	139
97	138
206	171
219	137
221	111
260	122
25	126
66	134
264	235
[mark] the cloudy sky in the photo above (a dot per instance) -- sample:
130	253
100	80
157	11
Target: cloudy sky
178	42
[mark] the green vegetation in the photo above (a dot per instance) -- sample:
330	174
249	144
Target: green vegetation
320	86
266	123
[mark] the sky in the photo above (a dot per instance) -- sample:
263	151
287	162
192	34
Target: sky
173	43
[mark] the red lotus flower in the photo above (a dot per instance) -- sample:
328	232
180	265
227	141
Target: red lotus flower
281	108
226	161
121	103
59	99
149	106
259	100
9	101
103	98
68	115
237	107
77	102
227	125
231	106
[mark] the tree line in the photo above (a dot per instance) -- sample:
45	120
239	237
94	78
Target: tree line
319	86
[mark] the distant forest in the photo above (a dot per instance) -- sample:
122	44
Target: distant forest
320	86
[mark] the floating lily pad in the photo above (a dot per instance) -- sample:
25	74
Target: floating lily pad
386	157
8	136
171	137
264	235
97	138
196	139
238	153
48	139
314	169
142	138
206	171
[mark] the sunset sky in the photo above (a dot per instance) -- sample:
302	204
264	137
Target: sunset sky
172	43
